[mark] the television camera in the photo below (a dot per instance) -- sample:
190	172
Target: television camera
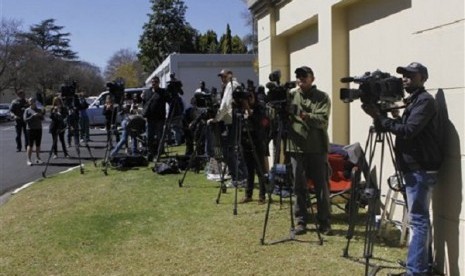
377	88
116	89
277	93
68	94
174	86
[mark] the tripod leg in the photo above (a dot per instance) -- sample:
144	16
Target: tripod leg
352	209
312	212
189	165
262	240
48	161
222	188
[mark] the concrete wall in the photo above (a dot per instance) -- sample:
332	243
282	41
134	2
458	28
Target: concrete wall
192	68
339	38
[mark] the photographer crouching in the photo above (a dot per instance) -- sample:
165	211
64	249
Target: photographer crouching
307	146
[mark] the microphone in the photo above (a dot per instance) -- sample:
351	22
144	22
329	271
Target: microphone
347	79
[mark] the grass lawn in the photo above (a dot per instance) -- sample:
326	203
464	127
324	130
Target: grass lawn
137	222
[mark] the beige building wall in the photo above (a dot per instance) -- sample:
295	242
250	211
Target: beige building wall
341	38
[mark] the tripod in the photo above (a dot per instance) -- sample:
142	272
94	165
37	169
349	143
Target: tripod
111	129
283	174
199	133
371	193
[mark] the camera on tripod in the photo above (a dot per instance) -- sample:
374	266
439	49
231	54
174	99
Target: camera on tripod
68	90
277	93
378	88
174	86
116	89
280	174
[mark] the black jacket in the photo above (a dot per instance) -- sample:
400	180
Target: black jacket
418	143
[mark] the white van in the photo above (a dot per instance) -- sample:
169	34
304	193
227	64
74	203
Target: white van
95	110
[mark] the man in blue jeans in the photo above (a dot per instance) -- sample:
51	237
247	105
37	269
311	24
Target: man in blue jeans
418	156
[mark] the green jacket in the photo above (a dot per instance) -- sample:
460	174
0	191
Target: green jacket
310	134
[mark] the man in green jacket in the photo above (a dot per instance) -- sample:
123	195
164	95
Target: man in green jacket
307	146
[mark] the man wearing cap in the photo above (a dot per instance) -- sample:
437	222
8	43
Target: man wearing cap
418	156
224	114
308	147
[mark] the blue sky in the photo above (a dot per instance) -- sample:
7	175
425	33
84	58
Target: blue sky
99	28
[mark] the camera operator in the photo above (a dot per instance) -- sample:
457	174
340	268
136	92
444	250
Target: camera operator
84	131
58	114
256	125
154	111
308	146
17	108
224	115
110	111
418	156
176	108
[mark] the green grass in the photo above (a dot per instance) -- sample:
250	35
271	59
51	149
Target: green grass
137	222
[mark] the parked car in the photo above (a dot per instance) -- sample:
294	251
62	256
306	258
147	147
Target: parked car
91	99
5	114
95	110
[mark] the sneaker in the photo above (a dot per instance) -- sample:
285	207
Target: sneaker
300	229
246	199
29	163
326	230
54	156
261	200
39	161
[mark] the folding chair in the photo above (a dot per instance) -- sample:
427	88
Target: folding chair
340	179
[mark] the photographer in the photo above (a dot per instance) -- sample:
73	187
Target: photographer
17	108
307	146
176	109
255	125
418	156
57	127
224	115
155	112
110	111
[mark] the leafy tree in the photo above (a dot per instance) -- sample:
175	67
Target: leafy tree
48	37
226	41
208	43
238	46
166	32
87	76
125	64
250	40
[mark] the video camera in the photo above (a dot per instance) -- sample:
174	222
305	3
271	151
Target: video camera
174	86
378	88
68	90
116	89
277	93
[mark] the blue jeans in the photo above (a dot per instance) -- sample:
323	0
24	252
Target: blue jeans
419	186
124	139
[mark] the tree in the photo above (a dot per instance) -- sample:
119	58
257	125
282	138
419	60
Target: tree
166	32
9	30
250	40
226	41
238	46
208	43
48	37
125	64
87	76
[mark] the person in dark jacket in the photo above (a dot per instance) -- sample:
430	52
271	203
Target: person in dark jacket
308	146
419	158
155	112
110	111
57	127
17	108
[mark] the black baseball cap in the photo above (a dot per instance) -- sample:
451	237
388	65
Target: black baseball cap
414	67
303	71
